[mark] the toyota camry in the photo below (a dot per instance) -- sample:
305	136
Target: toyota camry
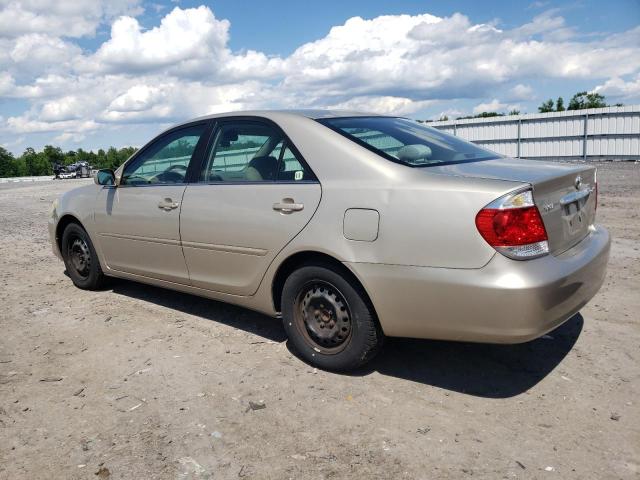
350	227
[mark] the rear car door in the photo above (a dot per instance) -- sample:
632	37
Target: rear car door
254	194
138	221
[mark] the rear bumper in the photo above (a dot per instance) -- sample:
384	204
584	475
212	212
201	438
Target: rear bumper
506	301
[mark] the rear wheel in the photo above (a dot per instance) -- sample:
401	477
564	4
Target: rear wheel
328	318
80	258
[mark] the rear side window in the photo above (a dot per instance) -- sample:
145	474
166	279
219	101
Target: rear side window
252	151
243	152
407	142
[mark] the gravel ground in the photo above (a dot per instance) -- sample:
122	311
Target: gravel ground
137	382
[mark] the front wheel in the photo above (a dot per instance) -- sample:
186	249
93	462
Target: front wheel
329	319
80	258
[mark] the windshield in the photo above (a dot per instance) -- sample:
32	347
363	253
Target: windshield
407	142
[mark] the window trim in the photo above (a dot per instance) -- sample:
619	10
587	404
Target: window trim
217	122
197	152
371	148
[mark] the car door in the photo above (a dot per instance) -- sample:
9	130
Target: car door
138	221
254	194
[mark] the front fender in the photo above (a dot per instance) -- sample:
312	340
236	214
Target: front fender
75	205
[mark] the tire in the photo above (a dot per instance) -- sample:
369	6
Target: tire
328	318
80	258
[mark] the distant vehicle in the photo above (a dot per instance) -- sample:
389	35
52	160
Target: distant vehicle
81	169
352	227
57	170
74	170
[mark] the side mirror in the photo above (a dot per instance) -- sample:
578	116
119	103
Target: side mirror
105	177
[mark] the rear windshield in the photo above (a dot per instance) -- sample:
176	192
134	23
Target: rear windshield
407	142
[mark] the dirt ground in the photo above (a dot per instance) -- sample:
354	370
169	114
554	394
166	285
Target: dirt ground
136	382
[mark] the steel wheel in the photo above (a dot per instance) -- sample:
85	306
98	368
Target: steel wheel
323	317
79	256
327	317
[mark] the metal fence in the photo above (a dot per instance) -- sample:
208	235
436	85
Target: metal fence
611	133
42	178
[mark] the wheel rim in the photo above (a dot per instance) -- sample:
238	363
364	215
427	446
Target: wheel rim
79	256
323	317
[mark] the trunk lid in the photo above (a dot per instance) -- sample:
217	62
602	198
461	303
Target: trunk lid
563	193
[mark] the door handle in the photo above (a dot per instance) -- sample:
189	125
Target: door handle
287	206
168	204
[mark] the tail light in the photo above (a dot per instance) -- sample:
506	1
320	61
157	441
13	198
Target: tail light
513	226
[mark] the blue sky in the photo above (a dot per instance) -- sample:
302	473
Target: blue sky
90	74
306	21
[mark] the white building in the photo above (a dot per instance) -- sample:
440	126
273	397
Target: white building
611	133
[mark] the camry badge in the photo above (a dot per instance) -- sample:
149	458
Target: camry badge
578	182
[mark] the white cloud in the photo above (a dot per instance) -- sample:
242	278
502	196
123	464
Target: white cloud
383	105
618	88
23	124
137	98
39	54
69	107
7	84
423	57
69	137
521	92
547	23
71	18
495	106
189	36
183	66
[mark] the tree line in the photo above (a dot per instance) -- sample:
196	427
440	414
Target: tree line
580	101
33	163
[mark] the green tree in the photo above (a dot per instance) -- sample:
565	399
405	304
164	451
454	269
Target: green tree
8	166
32	162
582	100
101	159
483	115
37	163
489	115
70	157
560	105
49	156
112	158
514	112
546	106
125	153
53	154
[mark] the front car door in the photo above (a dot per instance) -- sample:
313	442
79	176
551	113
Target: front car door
254	194
138	221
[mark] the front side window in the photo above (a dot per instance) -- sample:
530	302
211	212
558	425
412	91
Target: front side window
407	142
166	160
251	151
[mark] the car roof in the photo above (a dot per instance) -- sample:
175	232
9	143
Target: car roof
313	114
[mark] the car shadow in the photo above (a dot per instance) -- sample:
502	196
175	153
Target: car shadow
236	317
482	370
